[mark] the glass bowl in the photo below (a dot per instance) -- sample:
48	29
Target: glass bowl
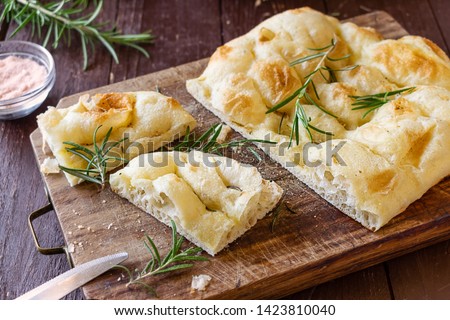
26	103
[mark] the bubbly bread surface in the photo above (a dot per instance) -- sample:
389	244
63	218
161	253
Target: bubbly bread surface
213	200
385	160
147	119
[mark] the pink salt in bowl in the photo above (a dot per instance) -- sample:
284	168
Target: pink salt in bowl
28	101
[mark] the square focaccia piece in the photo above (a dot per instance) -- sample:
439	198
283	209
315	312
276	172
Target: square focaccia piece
213	200
146	119
372	165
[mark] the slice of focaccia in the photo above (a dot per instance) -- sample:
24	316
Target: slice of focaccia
376	164
213	200
148	120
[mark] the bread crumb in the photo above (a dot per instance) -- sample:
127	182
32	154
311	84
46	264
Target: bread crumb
71	248
49	165
80	226
222	137
200	282
70	232
103	201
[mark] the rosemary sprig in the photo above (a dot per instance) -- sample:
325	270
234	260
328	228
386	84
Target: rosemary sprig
97	160
175	259
301	94
375	101
207	142
62	18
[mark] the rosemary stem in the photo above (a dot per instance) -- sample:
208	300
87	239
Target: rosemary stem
68	23
45	11
148	274
319	65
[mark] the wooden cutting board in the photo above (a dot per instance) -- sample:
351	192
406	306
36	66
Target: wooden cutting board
313	242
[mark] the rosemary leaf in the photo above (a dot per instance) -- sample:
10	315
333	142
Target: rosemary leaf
173	268
307	58
320	131
182	257
79	154
340	58
280	125
332	44
383	94
254	153
153	250
77	173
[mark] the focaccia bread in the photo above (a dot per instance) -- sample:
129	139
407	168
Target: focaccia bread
148	120
213	200
383	161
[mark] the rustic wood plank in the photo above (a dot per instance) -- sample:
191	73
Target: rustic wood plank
20	176
415	16
441	12
238	17
370	283
17	270
424	274
183	34
259	264
3	25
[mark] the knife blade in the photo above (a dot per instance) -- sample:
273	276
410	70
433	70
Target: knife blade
74	278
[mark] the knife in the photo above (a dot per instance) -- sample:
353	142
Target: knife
74	278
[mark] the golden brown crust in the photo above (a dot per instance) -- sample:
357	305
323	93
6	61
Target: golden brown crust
221	53
275	80
436	49
113	100
401	57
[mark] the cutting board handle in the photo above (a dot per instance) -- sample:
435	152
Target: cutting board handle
47	251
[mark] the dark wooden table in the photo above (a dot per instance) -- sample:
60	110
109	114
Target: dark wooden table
187	31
